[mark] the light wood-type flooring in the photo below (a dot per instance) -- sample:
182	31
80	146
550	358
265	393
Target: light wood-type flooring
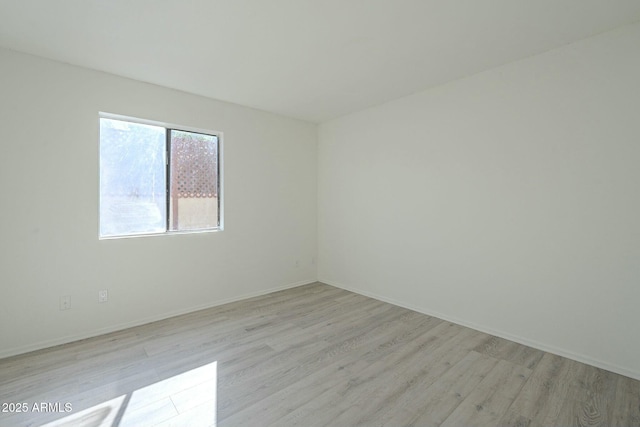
310	356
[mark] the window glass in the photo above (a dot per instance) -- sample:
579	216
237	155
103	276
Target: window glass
194	181
154	179
132	178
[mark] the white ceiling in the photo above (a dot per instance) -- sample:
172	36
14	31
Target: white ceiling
310	59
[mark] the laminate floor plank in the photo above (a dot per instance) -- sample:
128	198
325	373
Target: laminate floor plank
275	376
489	401
314	355
379	358
206	339
431	405
295	399
510	351
591	393
339	311
388	391
204	415
626	408
542	395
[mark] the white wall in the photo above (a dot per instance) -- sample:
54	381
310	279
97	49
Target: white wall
49	212
508	201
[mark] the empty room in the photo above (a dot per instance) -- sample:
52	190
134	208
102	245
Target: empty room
320	213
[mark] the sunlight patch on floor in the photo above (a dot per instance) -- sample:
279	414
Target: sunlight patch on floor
191	396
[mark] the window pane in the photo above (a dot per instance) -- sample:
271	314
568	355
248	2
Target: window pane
194	181
132	178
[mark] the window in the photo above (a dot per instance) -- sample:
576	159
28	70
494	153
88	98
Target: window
157	179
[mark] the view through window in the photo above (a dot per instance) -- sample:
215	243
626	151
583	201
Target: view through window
156	179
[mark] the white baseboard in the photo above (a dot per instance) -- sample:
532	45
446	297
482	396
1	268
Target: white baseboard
118	327
531	343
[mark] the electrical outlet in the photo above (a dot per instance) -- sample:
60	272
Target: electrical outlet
65	302
103	296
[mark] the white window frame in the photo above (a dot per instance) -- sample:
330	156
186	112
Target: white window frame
168	127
